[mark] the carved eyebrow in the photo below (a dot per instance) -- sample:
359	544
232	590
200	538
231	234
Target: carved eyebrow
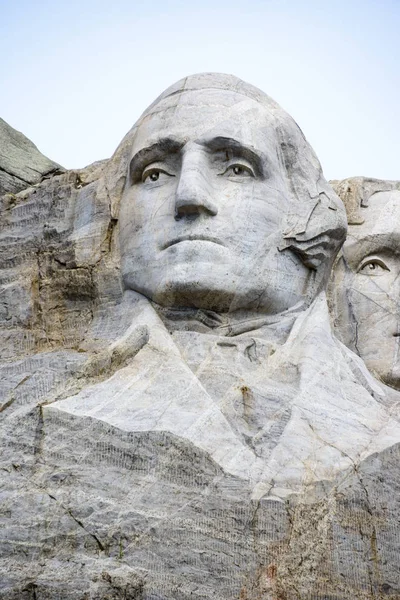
156	151
238	148
380	241
369	245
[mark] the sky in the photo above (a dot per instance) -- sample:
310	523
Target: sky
76	75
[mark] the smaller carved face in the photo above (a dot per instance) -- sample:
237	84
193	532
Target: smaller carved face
367	288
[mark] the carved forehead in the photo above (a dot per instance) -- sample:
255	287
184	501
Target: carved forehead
380	230
211	91
381	216
208	112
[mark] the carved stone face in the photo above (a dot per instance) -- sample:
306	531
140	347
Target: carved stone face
201	216
367	287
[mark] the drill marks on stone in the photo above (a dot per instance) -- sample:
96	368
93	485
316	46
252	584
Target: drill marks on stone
35	380
63	508
217	537
59	295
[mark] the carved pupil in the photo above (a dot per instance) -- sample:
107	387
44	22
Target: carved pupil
154	176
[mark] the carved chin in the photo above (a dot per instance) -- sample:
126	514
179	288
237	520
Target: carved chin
198	290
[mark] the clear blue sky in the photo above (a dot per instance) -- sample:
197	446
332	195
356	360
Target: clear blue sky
76	75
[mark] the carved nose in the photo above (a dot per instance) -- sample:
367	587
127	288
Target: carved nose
193	195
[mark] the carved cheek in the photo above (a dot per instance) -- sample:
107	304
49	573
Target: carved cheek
374	304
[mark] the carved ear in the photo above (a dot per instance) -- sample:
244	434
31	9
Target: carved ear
315	227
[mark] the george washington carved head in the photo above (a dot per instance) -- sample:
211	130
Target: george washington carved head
224	204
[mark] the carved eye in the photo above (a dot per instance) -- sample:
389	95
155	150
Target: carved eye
238	170
153	175
373	266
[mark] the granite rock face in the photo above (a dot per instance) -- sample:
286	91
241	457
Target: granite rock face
21	163
178	420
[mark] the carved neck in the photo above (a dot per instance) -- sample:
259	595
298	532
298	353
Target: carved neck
225	324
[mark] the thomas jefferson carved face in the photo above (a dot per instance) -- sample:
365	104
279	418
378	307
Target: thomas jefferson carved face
204	207
367	287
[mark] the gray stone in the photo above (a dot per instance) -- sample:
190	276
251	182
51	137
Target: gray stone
178	419
21	163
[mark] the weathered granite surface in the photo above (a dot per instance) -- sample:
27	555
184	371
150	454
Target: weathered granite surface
178	420
21	163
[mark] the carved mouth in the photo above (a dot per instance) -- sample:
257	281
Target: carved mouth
193	238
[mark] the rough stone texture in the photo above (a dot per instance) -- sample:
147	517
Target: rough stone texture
167	435
21	163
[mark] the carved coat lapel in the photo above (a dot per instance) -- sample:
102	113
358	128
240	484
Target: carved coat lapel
327	392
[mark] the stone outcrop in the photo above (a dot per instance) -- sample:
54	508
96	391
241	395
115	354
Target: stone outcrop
21	163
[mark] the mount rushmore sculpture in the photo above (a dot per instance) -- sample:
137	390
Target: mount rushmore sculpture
179	419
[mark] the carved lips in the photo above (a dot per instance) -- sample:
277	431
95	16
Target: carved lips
193	238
